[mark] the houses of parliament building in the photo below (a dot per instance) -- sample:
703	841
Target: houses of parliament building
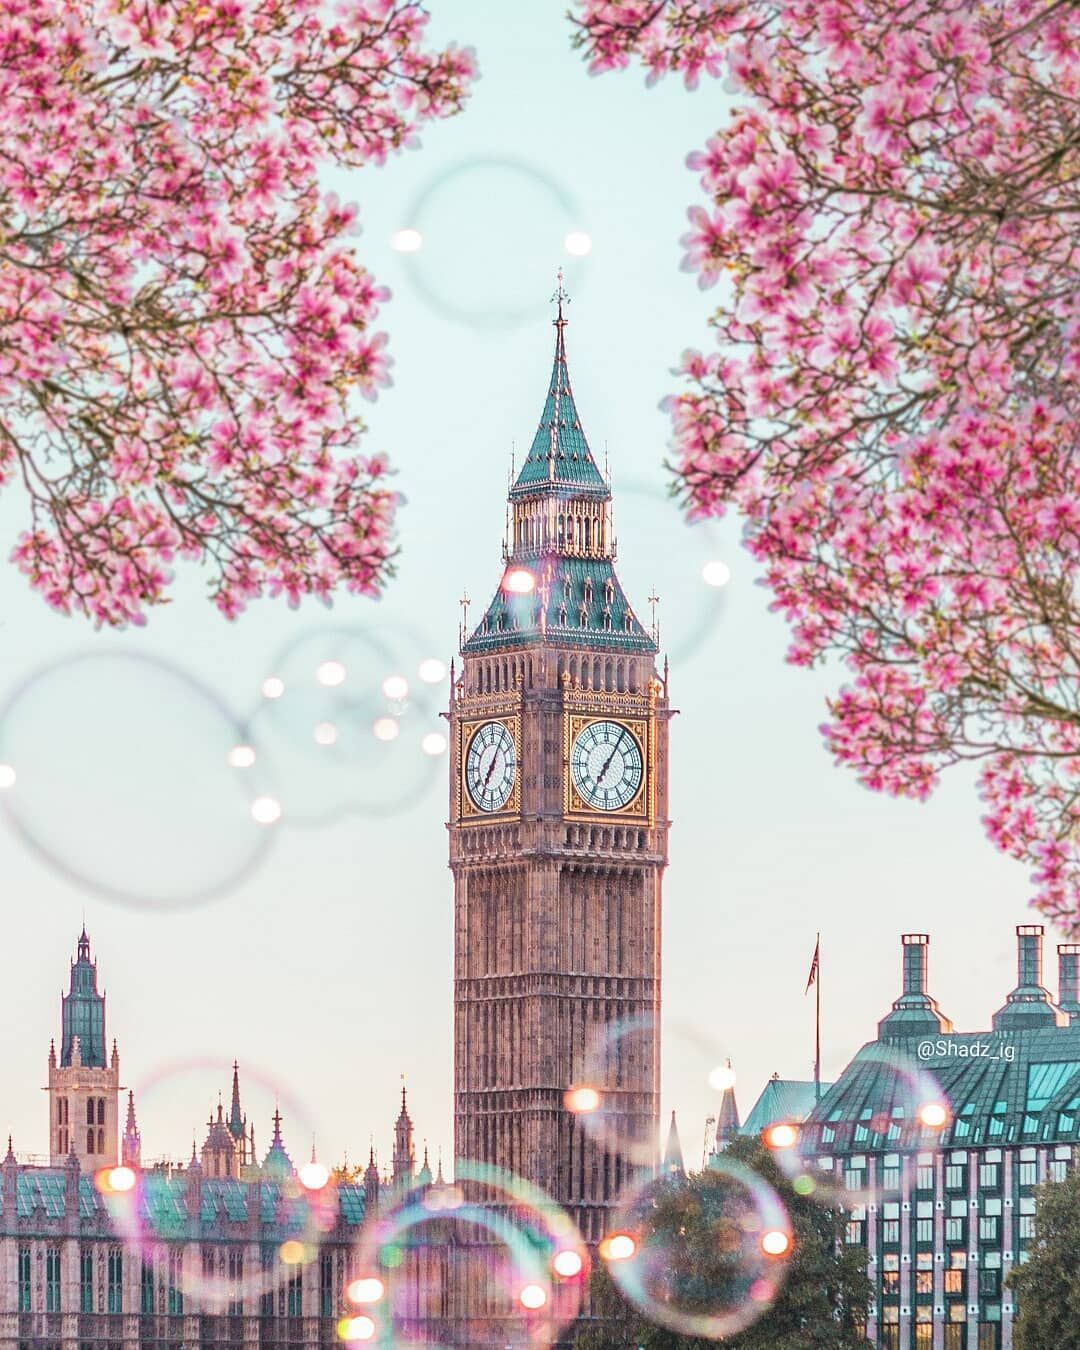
558	844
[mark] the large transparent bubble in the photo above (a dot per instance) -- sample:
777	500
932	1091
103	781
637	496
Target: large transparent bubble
890	1107
620	1059
705	1256
271	1185
119	779
489	1244
454	240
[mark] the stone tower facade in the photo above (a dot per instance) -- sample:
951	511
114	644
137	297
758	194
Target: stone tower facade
558	839
84	1086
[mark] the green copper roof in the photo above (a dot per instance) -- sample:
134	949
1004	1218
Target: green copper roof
163	1205
83	1011
577	602
1032	1097
560	456
782	1099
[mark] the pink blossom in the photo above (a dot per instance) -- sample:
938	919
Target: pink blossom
892	406
187	327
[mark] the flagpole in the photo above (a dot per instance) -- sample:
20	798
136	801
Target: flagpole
817	1026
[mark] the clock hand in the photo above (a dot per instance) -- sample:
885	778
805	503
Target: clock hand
491	770
614	752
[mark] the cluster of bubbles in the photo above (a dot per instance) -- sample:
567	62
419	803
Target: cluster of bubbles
110	761
703	1252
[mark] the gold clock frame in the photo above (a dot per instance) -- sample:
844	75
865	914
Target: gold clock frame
468	813
643	806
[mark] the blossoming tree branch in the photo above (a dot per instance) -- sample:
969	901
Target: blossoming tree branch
183	322
890	212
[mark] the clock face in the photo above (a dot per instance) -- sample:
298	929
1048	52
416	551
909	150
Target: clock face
606	765
491	766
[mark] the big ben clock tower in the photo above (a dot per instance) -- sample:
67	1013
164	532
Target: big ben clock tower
558	836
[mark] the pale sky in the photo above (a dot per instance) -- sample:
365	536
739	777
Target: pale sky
324	961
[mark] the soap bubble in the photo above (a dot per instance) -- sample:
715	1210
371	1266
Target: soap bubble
152	1214
348	733
661	553
467	274
613	1095
488	1230
127	781
893	1107
704	1257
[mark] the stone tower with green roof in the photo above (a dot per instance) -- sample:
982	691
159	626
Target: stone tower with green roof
84	1086
558	839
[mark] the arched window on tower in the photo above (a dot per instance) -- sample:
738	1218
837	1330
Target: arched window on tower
89	1141
101	1141
588	534
101	1110
609	591
89	1110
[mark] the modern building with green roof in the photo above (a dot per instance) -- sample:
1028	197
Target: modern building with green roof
938	1138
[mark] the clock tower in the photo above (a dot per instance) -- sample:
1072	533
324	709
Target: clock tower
558	840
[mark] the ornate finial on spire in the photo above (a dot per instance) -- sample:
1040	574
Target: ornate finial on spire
10	1151
654	600
561	299
404	1112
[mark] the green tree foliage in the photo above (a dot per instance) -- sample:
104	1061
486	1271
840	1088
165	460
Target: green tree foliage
819	1304
1047	1286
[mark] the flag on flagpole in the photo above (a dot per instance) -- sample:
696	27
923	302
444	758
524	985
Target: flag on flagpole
814	966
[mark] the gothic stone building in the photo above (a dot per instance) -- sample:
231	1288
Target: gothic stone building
224	1251
950	1211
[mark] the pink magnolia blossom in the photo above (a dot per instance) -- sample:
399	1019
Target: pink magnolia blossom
892	404
184	326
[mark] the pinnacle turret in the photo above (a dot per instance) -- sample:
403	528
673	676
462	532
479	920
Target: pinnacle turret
131	1143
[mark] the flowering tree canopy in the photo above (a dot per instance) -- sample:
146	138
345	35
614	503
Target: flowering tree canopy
891	210
183	322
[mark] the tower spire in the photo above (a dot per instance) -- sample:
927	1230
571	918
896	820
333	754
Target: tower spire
673	1154
236	1116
